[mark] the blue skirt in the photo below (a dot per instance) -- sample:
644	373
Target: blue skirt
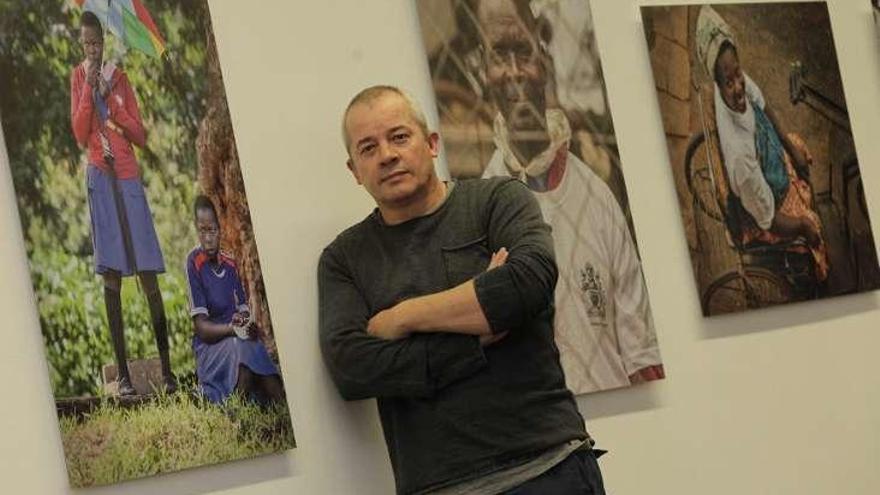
107	240
217	364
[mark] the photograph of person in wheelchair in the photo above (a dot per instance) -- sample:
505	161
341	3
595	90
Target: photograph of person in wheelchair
763	154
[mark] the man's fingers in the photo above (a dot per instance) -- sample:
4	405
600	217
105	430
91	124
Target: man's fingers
498	258
371	326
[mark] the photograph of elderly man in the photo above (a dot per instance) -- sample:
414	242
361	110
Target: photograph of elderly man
520	94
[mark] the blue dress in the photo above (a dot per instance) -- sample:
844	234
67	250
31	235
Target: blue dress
215	290
107	237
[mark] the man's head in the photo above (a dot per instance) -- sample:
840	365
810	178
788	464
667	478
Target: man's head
207	225
515	60
391	152
91	37
729	77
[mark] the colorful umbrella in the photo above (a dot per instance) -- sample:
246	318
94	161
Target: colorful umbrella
130	22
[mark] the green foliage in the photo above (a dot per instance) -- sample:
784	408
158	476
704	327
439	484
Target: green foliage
37	44
172	433
38	50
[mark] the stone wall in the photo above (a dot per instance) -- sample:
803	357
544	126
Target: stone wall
669	31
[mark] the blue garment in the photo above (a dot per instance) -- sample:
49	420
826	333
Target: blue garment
771	155
107	240
101	105
215	290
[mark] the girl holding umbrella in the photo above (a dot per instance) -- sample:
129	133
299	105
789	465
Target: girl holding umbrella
106	120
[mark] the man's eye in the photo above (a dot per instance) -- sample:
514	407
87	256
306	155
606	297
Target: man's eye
367	149
524	53
400	138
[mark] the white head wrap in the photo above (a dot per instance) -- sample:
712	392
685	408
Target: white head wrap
712	32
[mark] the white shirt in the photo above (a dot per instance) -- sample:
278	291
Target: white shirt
736	131
603	323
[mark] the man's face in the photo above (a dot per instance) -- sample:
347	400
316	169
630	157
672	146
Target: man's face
731	81
390	154
93	44
515	74
208	230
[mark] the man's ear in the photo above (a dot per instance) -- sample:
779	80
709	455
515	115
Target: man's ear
434	143
353	170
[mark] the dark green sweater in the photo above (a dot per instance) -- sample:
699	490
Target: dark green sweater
451	410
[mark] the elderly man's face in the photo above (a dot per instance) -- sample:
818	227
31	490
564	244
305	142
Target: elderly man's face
515	73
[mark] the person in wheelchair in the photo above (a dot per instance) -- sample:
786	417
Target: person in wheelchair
767	170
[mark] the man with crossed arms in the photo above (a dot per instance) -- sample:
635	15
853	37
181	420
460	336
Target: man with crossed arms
440	305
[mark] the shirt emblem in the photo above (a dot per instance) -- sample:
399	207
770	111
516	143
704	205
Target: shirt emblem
593	294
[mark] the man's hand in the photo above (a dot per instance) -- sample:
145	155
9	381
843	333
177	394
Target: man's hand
498	258
386	324
390	324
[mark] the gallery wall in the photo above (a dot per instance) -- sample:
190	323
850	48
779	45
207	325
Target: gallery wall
779	401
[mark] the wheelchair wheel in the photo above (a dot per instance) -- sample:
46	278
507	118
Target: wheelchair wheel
699	177
755	288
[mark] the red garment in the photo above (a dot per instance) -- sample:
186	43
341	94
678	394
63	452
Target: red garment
124	122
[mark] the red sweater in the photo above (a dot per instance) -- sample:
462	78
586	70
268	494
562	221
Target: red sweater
124	122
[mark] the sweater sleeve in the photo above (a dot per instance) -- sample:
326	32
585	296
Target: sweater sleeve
125	113
518	291
363	366
80	107
754	192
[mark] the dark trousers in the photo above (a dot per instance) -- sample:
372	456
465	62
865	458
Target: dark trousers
578	474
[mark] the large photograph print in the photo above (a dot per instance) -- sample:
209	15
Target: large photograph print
762	153
520	93
158	338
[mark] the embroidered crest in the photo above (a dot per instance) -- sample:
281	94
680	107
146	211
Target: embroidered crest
593	293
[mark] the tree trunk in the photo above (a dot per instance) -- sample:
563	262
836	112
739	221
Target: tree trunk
220	179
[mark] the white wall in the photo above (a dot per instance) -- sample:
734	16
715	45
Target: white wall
782	401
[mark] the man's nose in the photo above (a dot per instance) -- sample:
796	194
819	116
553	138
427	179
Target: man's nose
513	70
388	154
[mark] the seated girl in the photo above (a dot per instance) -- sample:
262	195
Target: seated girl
774	203
229	355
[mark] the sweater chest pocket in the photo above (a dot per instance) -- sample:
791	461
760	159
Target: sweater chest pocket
465	260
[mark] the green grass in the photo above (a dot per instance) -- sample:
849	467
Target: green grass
172	433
